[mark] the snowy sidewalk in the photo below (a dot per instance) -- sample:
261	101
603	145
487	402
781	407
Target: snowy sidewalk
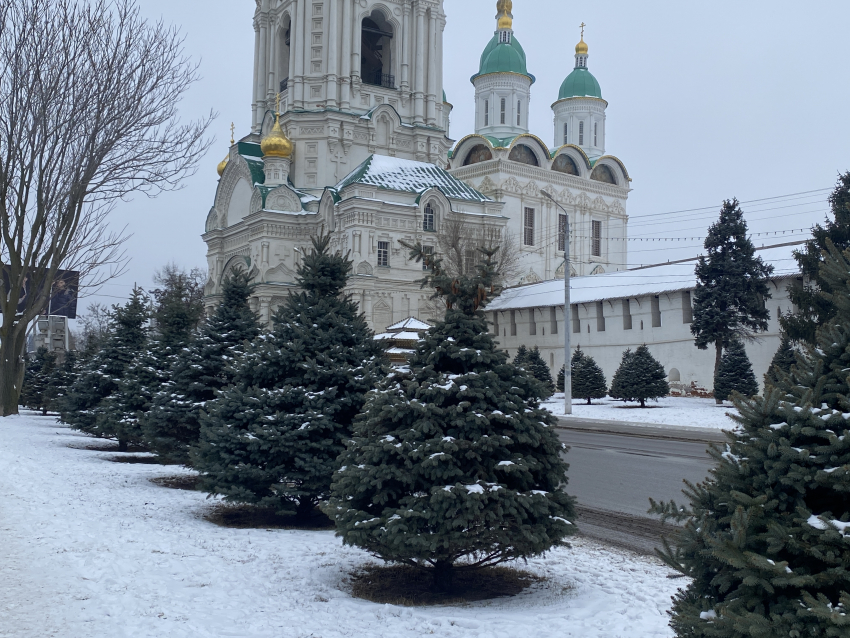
93	549
682	411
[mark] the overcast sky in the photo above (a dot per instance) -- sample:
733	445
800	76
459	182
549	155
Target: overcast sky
707	101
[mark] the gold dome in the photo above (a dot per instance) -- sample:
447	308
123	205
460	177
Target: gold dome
581	47
276	144
222	165
504	15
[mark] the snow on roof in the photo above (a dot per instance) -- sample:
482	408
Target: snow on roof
411	323
398	336
639	282
409	176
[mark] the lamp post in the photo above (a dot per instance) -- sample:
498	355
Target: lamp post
568	377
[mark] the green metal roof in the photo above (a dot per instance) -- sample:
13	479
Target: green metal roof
258	172
580	83
501	142
392	173
503	57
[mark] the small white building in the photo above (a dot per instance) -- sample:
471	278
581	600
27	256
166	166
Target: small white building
615	311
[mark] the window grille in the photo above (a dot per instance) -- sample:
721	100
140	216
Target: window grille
566	134
562	233
469	261
428	221
581	133
384	253
528	227
596	238
504	110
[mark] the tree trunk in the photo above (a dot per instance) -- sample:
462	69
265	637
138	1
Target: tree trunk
122	445
304	511
444	574
717	357
588	402
11	370
643	403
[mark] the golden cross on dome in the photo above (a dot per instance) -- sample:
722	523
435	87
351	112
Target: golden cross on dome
232	132
583	25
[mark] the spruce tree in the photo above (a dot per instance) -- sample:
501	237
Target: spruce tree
784	358
588	379
201	371
36	377
177	310
454	465
540	371
812	308
562	374
735	374
61	381
731	285
765	538
85	405
521	357
273	437
639	378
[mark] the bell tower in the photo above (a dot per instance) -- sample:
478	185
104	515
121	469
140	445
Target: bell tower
355	77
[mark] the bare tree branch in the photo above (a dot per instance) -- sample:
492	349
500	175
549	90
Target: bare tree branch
89	93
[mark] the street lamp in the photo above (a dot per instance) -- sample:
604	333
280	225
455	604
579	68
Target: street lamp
568	376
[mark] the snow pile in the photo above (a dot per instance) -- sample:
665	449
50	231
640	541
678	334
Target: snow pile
92	548
682	411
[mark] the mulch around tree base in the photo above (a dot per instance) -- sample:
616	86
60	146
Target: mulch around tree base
180	482
110	447
251	517
145	460
411	587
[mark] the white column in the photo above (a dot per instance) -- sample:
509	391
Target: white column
332	89
293	39
419	82
432	59
301	51
347	26
405	46
256	94
273	85
264	58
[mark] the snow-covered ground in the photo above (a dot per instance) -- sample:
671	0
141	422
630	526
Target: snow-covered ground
92	548
683	411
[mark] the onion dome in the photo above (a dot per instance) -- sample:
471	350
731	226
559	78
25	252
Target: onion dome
276	144
504	53
222	165
504	16
581	47
580	83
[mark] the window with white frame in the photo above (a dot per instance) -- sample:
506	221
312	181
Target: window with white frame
428	219
528	227
486	112
384	253
562	232
470	261
504	111
596	238
428	250
581	133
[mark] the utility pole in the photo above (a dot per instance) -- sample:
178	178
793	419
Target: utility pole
568	373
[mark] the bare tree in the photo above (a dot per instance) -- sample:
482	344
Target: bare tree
95	325
459	245
88	116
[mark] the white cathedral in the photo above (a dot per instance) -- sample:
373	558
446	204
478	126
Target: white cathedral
351	134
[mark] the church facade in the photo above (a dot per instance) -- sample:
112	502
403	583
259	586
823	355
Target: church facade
350	134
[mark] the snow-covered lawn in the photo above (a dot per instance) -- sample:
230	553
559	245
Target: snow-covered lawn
93	548
683	411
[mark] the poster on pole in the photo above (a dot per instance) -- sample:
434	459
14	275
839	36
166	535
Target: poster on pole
63	294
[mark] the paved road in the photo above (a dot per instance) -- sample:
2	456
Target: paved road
613	475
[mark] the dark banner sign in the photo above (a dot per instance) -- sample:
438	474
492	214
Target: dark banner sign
63	295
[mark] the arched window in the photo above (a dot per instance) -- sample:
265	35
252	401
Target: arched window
581	133
566	133
504	109
486	112
524	155
603	174
428	220
376	51
565	164
518	112
479	153
283	48
596	134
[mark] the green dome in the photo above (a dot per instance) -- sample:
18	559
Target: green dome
503	57
580	83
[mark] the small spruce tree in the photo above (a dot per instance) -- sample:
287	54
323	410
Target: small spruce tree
454	465
201	371
731	285
85	405
61	381
272	438
764	542
521	357
588	379
540	371
640	378
562	374
735	374
784	358
37	375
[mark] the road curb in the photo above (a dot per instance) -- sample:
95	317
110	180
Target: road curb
644	431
